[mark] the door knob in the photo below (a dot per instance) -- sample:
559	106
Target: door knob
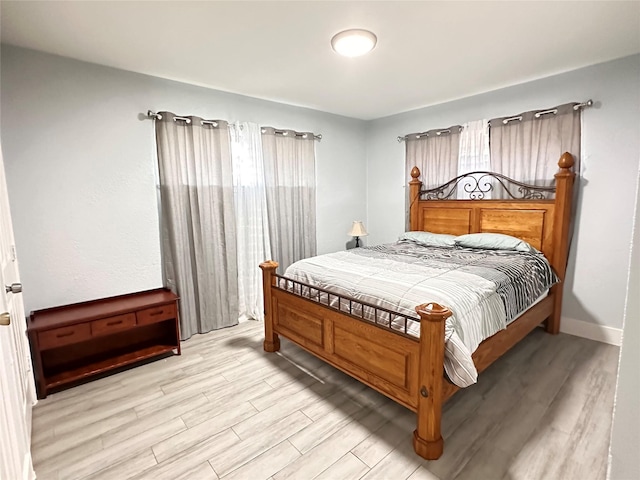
5	318
13	288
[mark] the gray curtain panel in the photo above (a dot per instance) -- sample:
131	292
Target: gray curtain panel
198	221
528	150
435	155
290	181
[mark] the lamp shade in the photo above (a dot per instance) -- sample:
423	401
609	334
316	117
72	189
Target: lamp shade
357	230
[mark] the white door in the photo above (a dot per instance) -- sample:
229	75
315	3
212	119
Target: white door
17	389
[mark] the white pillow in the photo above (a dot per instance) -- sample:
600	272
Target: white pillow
429	239
494	241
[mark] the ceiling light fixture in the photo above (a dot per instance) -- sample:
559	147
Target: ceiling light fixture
353	43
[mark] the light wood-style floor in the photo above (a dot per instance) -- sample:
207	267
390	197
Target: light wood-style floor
225	409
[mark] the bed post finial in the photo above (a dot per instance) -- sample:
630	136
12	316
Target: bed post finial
271	340
566	162
561	231
415	186
427	438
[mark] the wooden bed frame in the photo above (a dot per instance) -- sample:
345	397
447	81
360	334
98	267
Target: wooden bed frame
407	369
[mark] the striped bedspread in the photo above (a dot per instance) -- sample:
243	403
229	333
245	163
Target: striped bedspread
485	289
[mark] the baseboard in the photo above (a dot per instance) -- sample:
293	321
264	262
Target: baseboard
592	331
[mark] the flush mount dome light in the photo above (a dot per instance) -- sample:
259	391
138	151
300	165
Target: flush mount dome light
353	43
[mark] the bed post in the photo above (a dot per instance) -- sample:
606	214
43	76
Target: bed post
427	438
561	228
415	186
271	340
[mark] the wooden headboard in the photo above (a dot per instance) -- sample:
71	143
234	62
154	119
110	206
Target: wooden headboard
542	223
526	220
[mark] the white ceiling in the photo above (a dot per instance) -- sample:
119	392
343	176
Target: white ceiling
427	52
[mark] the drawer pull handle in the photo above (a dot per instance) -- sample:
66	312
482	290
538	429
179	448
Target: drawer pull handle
62	335
117	322
156	313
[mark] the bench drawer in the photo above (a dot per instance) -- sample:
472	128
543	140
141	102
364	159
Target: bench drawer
64	336
156	314
105	326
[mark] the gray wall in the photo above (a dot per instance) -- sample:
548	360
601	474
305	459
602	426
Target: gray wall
599	260
625	438
80	164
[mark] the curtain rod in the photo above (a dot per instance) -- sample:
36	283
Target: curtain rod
158	116
553	111
213	123
286	132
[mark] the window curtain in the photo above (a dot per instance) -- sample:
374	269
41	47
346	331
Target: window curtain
436	155
473	156
527	149
198	221
252	225
289	164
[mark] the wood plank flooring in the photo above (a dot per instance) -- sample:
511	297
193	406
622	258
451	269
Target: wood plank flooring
225	409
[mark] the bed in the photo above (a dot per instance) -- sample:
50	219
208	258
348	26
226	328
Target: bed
375	344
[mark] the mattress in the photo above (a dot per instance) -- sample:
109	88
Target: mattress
484	289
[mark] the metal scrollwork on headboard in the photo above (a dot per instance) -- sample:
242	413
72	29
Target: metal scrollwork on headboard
478	184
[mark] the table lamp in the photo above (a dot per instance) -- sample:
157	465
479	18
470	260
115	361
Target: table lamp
357	230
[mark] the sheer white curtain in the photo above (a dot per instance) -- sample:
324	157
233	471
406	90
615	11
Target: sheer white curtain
252	225
199	255
290	177
474	156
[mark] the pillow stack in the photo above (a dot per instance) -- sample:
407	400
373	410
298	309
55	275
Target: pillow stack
485	241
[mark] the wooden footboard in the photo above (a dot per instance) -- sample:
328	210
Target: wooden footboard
406	369
383	360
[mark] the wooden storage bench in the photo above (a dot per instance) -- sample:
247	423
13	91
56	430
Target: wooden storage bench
73	343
